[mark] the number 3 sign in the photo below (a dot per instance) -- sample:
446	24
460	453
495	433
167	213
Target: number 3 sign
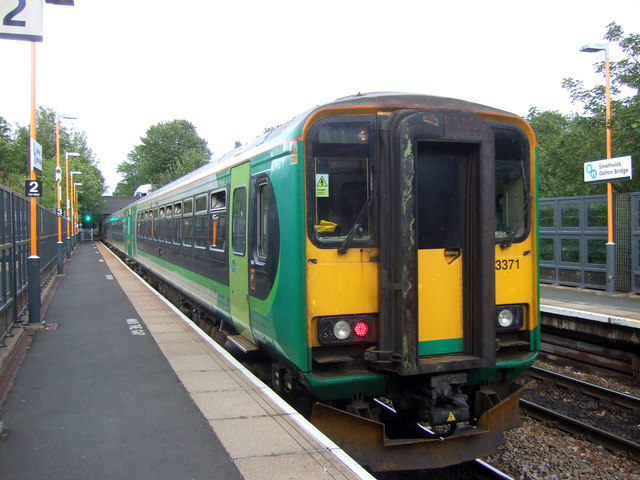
21	19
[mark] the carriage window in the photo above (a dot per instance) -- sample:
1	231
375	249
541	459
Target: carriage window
263	220
145	224
512	185
200	225
342	182
160	226
201	203
187	223
154	224
168	225
238	221
218	219
177	223
219	200
188	206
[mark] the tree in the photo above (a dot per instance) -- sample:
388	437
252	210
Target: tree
565	143
93	187
169	151
12	171
625	111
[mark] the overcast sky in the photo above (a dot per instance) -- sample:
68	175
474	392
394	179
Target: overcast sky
235	68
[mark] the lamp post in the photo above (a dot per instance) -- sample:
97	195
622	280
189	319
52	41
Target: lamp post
611	246
66	160
73	216
59	193
33	262
76	220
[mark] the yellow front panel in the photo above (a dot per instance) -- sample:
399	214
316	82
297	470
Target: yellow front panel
514	280
340	284
439	296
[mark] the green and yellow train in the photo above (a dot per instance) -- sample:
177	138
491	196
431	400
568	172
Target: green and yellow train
381	251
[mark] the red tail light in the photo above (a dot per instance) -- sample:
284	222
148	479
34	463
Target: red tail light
361	329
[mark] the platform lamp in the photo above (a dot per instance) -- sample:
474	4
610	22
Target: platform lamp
73	210
76	208
76	221
66	160
59	192
611	246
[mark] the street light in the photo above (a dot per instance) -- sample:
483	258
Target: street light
66	160
73	212
76	218
59	192
611	246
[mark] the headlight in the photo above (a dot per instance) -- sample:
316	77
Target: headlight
509	317
342	330
345	329
505	318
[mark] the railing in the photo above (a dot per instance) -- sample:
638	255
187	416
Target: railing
15	248
573	239
635	241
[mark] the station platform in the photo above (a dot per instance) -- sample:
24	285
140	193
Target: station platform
594	327
121	385
591	305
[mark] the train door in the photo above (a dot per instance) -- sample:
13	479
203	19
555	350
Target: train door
238	254
437	246
128	233
442	184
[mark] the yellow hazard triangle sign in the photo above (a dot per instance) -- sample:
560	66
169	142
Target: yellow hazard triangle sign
451	417
322	185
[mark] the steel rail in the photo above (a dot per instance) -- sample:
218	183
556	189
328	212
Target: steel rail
619	398
481	470
577	427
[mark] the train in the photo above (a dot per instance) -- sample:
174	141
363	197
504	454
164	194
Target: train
380	252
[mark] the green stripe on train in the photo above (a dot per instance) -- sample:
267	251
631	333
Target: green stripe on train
437	347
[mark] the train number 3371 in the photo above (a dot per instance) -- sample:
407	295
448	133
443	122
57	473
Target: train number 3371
508	264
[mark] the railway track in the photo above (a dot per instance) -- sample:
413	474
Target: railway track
576	427
481	470
612	441
474	470
596	391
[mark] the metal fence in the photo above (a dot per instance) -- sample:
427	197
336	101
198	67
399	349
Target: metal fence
635	242
15	248
573	239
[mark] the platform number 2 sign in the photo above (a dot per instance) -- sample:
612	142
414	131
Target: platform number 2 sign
21	19
33	188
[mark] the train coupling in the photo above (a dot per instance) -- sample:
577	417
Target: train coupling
443	403
365	439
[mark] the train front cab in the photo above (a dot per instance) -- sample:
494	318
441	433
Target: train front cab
442	223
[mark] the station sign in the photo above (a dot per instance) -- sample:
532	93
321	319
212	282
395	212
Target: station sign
21	19
33	188
609	170
36	155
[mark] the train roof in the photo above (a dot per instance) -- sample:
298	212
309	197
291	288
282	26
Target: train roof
393	99
293	128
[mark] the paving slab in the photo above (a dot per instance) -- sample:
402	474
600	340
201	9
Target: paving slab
96	398
263	435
